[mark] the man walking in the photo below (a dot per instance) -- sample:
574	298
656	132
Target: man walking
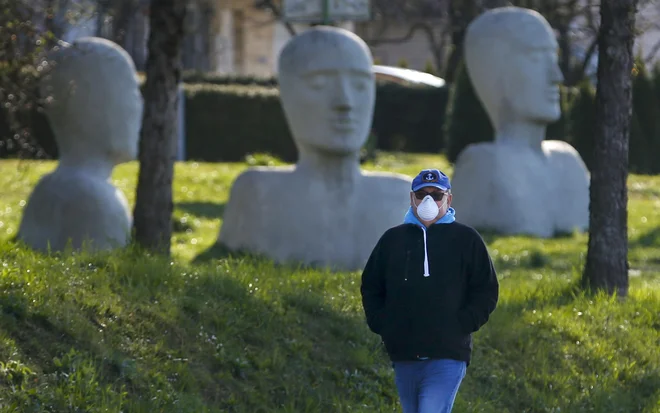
427	286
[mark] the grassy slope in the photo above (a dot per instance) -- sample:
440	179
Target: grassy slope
126	332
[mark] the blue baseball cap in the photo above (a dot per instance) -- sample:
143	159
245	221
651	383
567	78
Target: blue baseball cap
433	178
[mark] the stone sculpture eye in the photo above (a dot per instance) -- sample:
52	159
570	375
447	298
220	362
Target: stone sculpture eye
317	81
361	81
360	84
534	57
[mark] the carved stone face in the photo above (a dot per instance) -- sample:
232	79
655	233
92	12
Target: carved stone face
96	105
327	89
511	56
533	79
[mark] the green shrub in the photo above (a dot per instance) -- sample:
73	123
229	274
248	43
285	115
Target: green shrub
559	130
644	125
227	122
467	120
193	76
656	80
41	136
582	121
409	118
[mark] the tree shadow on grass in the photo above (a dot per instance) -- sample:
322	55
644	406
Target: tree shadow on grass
213	334
292	351
219	251
210	330
491	236
651	238
524	351
206	210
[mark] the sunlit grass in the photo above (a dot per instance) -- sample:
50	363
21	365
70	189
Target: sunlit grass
133	333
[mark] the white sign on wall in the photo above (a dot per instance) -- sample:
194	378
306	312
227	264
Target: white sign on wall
313	10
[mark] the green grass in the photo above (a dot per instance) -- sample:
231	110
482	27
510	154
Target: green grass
133	333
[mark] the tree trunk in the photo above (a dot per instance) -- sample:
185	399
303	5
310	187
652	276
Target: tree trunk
565	63
461	14
124	12
154	205
607	258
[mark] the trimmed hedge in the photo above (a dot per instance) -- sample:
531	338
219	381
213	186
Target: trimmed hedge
193	76
226	122
406	118
409	119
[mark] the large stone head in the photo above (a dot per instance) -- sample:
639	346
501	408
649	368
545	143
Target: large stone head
511	58
94	104
327	89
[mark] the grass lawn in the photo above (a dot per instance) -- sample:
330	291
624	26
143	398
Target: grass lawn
126	332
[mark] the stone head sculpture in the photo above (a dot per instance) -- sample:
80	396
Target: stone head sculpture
511	58
327	89
94	104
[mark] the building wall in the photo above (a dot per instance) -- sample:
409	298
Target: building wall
416	51
246	40
242	38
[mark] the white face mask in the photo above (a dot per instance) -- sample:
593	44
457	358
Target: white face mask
428	209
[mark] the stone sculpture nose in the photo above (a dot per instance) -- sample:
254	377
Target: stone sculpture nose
342	101
342	108
556	75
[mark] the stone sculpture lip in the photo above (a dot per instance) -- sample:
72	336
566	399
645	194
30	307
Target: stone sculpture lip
553	93
343	122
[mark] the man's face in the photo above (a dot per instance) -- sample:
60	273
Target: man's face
533	83
438	196
329	102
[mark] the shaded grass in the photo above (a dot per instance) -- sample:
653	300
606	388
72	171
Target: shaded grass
130	332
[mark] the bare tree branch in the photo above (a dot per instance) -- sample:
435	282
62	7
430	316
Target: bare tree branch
587	56
426	16
277	13
654	51
419	26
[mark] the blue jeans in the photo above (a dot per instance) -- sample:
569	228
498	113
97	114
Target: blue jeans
428	386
